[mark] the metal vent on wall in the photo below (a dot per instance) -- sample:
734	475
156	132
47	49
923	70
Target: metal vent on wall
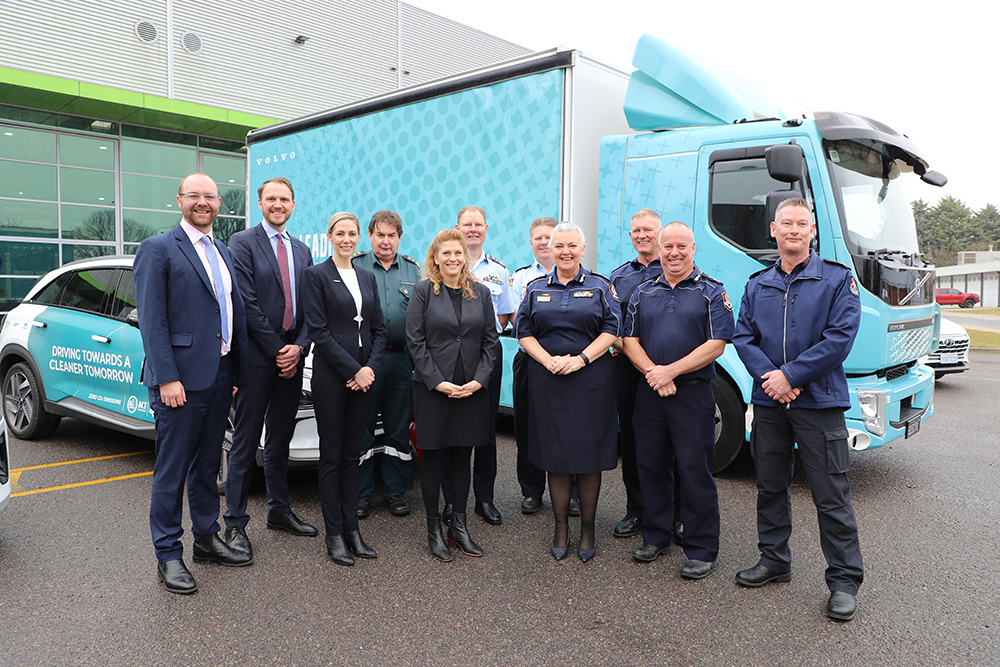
146	32
191	42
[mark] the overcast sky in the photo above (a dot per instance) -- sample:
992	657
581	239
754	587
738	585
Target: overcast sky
929	70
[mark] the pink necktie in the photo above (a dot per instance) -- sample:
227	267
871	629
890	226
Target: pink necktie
288	321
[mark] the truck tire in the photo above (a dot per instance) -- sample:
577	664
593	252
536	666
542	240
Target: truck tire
969	303
22	405
730	428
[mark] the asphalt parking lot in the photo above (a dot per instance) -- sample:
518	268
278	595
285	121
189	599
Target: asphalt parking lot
79	584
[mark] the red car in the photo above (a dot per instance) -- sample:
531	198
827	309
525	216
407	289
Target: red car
950	295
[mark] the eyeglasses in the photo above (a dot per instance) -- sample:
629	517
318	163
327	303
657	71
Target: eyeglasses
195	196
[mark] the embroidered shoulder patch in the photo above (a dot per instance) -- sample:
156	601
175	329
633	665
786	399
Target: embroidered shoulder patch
854	287
726	302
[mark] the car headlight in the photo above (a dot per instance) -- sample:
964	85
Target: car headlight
873	410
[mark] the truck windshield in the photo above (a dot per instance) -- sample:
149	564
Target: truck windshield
874	207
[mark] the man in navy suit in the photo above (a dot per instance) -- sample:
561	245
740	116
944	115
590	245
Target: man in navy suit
194	334
269	265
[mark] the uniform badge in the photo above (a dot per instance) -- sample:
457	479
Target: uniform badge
613	291
543	298
854	287
726	302
583	295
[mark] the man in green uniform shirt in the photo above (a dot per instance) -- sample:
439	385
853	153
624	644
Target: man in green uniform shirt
395	276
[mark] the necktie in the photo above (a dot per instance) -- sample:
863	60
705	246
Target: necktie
288	320
220	296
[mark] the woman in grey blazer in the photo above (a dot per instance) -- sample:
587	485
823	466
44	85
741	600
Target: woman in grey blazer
451	336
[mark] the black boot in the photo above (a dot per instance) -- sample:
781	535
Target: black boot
458	535
337	549
435	540
357	545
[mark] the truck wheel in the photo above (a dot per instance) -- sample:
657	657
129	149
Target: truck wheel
730	429
22	405
969	303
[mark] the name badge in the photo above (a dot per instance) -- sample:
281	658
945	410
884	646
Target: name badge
543	298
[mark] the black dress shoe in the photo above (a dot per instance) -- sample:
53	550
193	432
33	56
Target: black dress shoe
678	534
291	524
628	526
574	507
357	545
489	513
530	505
696	569
760	574
447	514
211	549
175	577
364	507
647	553
842	606
236	538
398	506
336	548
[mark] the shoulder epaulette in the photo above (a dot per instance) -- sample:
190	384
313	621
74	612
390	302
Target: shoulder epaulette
494	259
627	263
835	263
527	266
705	276
598	275
536	279
410	260
764	270
359	253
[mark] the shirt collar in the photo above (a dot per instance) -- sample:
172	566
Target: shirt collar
580	277
694	276
272	232
193	232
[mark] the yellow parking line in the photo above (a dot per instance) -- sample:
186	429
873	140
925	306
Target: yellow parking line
66	463
70	486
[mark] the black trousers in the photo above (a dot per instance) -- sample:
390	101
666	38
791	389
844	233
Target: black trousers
341	415
822	439
627	379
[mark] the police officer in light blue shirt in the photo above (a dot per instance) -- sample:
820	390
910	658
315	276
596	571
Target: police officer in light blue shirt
492	273
531	479
676	325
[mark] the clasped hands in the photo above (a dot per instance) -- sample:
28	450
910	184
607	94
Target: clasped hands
362	380
661	380
776	386
287	360
565	364
453	390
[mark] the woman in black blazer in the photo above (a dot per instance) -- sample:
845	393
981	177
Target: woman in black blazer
451	336
344	318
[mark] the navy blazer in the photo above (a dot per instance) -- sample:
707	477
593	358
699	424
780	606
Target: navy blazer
263	294
330	311
179	317
437	340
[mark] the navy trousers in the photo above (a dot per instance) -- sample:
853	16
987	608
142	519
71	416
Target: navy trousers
679	429
271	401
188	449
822	439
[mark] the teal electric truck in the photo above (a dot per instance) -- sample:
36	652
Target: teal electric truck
560	134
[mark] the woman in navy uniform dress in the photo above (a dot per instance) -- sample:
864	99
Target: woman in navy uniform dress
344	318
452	339
566	323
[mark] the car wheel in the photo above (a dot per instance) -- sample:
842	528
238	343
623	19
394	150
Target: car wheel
730	428
969	303
227	444
22	405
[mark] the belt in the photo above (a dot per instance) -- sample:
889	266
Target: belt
689	381
395	348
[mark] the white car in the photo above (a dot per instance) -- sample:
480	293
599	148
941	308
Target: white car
952	353
72	349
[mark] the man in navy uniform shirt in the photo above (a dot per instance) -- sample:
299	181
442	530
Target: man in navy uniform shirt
676	326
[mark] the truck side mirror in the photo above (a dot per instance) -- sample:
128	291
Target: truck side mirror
934	178
133	317
784	162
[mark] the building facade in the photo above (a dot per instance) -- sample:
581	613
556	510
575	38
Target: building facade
102	111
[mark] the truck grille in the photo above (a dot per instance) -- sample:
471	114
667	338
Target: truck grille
896	372
910	344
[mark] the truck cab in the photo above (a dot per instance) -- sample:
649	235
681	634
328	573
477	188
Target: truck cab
726	178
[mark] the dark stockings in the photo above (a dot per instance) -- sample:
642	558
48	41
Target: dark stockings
560	489
461	478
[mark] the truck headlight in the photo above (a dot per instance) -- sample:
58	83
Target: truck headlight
873	410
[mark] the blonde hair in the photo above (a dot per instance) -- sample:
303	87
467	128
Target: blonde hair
432	272
342	215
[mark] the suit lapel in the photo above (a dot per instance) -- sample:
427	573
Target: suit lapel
265	247
187	249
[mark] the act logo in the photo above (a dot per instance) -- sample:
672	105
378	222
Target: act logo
134	404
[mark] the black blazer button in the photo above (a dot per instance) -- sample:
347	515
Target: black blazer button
218	335
458	338
216	310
